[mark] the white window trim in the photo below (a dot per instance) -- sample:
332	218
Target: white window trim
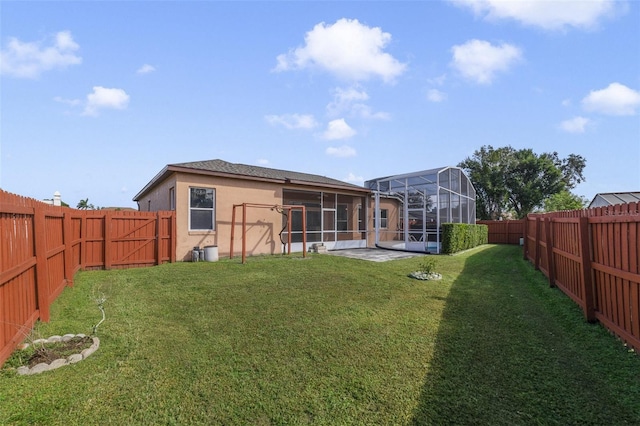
213	209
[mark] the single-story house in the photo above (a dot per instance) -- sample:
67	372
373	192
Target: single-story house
612	198
399	212
203	194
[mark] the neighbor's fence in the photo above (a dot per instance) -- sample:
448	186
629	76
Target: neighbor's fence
504	231
593	256
43	246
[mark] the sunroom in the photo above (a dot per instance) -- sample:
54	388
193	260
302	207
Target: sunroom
409	209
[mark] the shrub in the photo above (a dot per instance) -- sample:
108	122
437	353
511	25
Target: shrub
462	236
428	265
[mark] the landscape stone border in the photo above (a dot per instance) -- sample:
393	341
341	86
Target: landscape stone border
71	359
424	276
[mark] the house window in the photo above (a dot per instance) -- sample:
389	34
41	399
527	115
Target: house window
172	198
384	214
202	209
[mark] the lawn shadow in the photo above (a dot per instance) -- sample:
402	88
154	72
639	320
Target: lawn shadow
511	351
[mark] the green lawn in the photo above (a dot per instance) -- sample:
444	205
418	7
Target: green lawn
330	340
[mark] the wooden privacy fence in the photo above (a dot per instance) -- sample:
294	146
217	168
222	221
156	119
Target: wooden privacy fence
504	231
593	256
43	246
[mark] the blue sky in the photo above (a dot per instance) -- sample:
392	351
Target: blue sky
97	97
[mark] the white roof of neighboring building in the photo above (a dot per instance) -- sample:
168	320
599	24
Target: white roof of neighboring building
613	198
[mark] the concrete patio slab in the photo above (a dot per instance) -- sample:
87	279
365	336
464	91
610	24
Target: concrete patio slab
374	254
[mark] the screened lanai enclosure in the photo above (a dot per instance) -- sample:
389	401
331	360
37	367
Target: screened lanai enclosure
409	209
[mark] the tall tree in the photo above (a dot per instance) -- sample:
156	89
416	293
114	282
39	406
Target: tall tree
519	181
564	200
530	180
487	169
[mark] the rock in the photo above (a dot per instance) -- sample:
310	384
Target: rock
39	368
67	337
57	363
72	359
23	370
54	339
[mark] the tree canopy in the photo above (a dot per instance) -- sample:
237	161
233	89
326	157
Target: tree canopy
519	181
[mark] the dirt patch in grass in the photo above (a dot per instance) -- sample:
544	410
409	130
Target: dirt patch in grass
52	351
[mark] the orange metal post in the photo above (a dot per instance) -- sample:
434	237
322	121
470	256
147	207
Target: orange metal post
233	229
244	232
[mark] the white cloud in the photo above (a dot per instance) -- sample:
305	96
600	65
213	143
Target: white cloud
70	102
338	129
347	49
29	59
575	125
352	101
566	102
292	121
549	15
103	97
435	95
437	81
616	99
479	60
352	178
342	151
263	161
146	69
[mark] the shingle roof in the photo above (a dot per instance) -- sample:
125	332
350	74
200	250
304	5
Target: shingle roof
244	171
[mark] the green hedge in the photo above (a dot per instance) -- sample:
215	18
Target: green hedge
461	236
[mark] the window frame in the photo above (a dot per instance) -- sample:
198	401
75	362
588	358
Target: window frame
212	209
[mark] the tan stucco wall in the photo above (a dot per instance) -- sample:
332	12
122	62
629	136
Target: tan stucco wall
263	224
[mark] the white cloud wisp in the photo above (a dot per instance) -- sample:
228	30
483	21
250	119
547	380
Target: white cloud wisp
338	129
292	121
548	15
30	59
575	125
342	151
105	98
480	61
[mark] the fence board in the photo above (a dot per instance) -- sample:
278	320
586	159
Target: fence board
504	231
42	247
595	260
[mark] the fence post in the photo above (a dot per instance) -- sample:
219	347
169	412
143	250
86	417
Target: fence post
83	239
42	275
537	247
174	239
550	260
525	252
107	240
158	238
67	235
587	281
